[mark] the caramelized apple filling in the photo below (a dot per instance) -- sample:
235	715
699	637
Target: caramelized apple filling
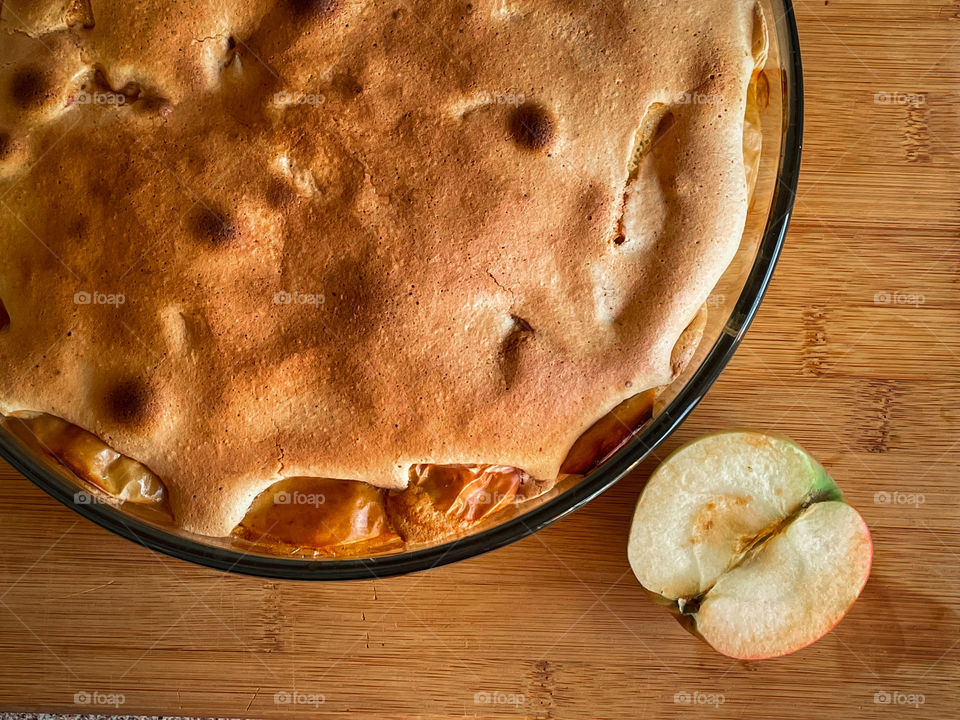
469	493
609	433
443	500
88	457
324	517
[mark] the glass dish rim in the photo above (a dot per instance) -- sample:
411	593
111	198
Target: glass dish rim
570	500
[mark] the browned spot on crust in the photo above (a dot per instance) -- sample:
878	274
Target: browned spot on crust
532	128
4	317
77	227
210	225
347	84
30	87
314	8
6	145
129	402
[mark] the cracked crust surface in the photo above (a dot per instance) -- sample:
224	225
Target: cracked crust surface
261	239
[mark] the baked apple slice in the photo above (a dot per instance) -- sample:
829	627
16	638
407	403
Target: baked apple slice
751	543
88	457
609	433
443	500
321	517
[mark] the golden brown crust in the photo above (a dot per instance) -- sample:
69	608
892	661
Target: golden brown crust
343	243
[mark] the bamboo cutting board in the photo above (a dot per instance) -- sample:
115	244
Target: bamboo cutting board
855	354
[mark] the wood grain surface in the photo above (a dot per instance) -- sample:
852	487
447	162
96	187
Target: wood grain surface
855	354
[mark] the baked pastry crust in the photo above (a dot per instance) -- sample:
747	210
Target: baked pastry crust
344	246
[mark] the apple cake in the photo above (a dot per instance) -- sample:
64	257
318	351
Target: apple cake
340	275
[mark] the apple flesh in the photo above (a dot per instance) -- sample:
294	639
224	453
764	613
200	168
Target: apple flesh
751	542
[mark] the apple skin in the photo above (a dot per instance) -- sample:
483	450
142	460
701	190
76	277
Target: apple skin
445	500
704	468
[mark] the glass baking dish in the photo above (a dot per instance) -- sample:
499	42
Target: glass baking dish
731	309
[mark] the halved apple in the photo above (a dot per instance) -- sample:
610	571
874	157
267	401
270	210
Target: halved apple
751	543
